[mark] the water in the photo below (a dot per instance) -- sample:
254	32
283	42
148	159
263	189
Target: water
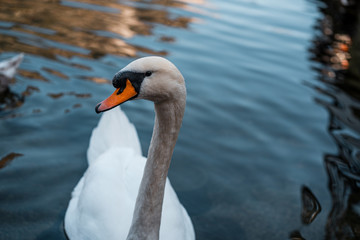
271	129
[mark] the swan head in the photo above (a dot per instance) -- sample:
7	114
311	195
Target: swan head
151	78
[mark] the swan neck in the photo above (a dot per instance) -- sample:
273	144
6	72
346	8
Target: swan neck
148	207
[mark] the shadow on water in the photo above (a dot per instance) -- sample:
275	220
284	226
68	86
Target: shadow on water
336	53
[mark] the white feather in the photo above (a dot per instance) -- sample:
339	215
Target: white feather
103	201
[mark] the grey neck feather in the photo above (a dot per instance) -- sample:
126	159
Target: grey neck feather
148	207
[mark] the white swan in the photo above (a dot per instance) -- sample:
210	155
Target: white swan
110	202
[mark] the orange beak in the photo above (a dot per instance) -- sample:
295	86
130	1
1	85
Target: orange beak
117	98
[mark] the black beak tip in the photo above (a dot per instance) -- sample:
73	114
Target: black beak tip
97	108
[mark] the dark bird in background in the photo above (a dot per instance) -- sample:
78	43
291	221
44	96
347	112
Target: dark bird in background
8	69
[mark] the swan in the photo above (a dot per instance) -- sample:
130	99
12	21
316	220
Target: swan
123	195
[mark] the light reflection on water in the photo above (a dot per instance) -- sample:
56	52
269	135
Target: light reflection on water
89	29
253	137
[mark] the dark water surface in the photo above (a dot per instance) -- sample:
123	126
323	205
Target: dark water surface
269	147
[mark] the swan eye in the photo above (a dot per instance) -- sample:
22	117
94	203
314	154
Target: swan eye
148	74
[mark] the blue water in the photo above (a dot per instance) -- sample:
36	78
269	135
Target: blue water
254	132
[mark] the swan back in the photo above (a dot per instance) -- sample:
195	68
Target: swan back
114	129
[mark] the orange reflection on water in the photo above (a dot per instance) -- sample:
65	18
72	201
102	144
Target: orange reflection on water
8	158
32	75
86	28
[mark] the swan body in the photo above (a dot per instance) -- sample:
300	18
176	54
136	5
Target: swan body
123	195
